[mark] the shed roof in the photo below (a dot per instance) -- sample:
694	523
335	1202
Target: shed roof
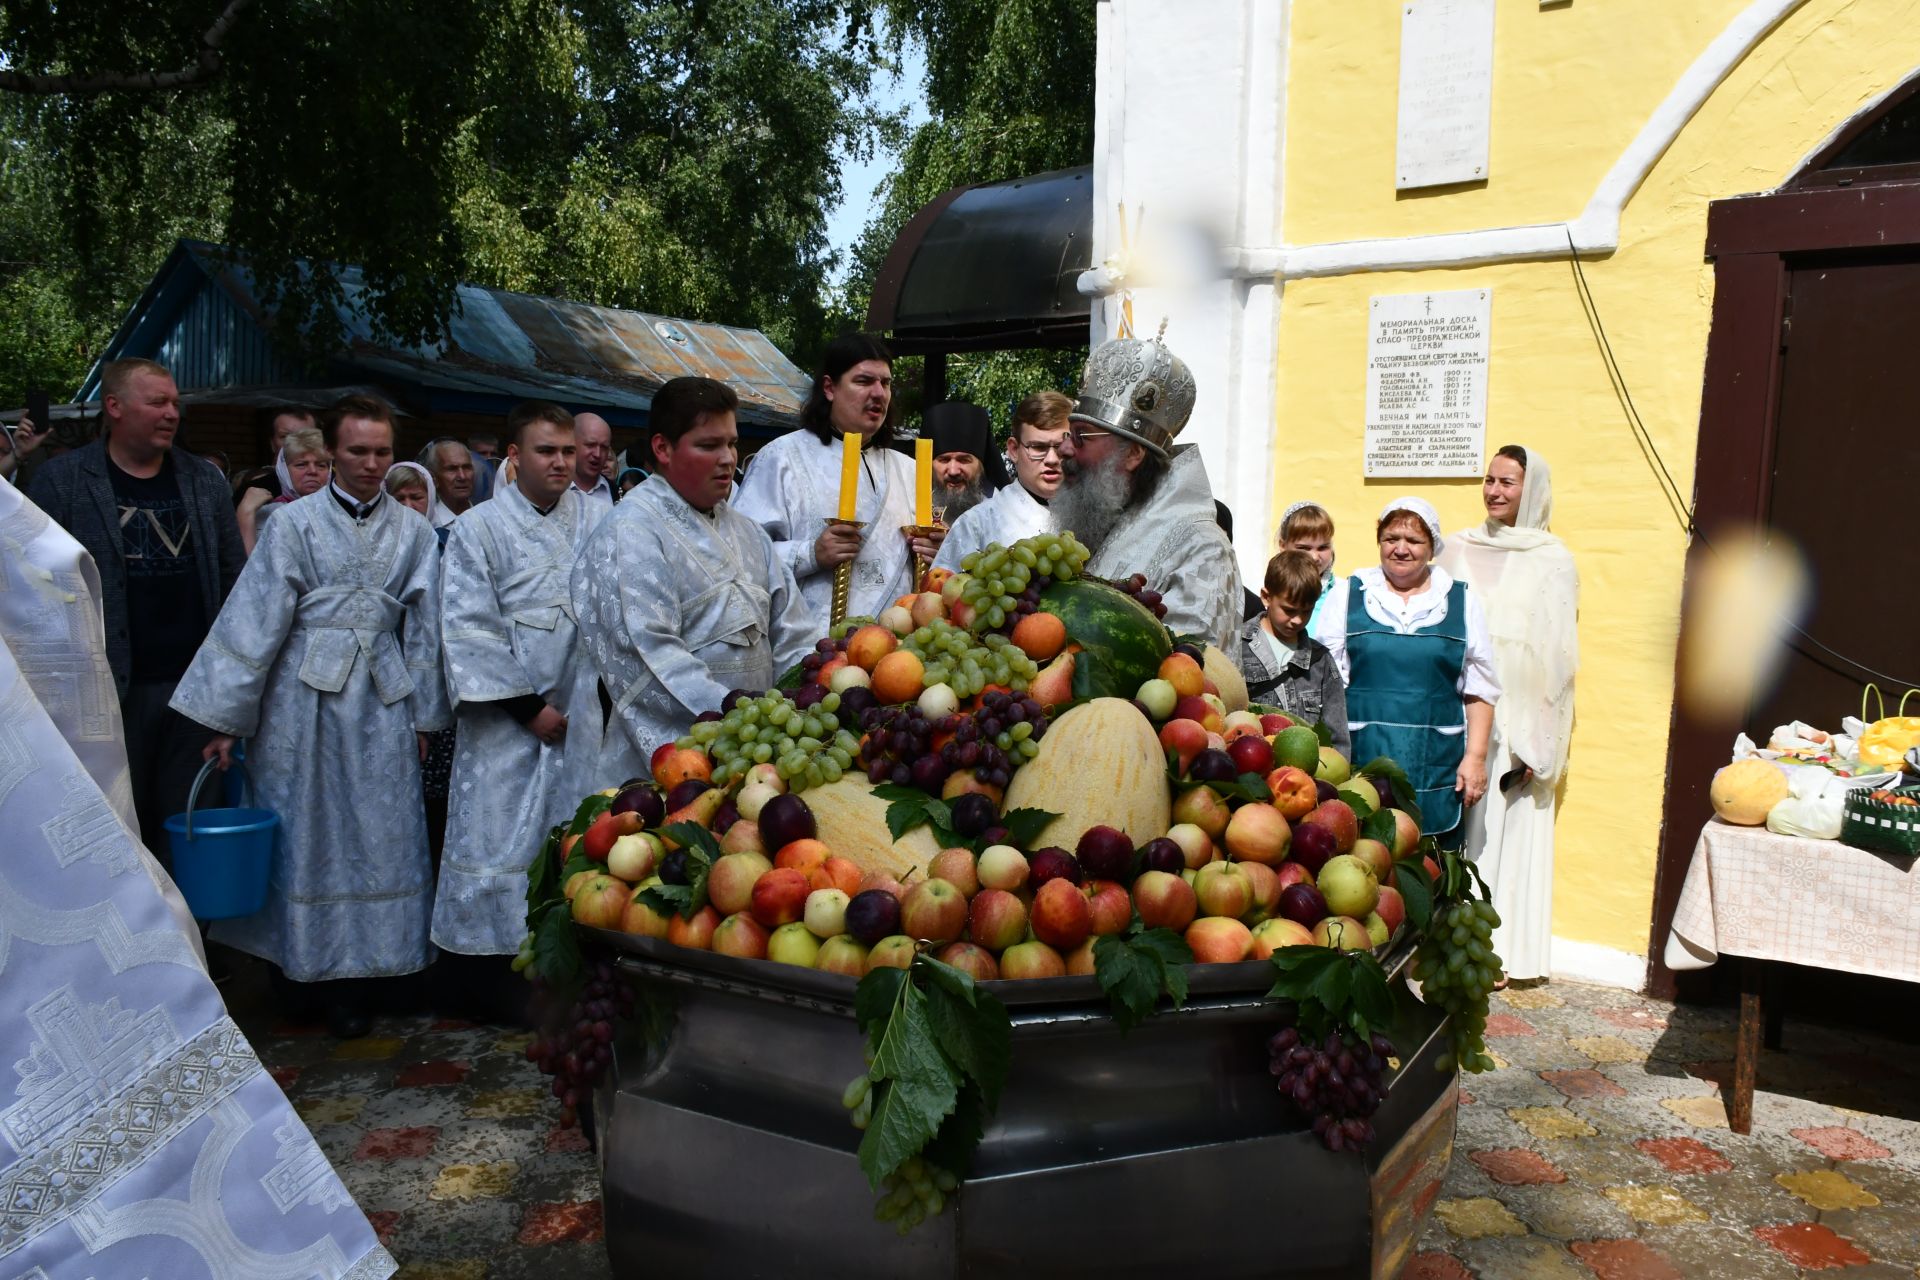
202	316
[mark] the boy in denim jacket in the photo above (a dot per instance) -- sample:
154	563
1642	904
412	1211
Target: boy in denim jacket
1284	666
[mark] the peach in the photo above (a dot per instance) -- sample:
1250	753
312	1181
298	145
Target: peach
896	619
802	855
1184	674
869	644
836	873
1040	636
1219	940
674	765
1241	724
896	677
1294	794
1194	707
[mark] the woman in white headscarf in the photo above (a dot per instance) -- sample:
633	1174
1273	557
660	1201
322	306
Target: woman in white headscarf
1525	578
302	465
1412	645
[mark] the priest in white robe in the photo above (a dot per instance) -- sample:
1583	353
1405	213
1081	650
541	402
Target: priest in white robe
327	657
1018	510
1527	583
793	488
508	633
139	1133
681	598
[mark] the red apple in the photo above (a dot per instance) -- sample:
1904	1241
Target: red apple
1343	933
1337	817
1223	890
976	962
1034	959
1266	891
694	933
1392	908
730	883
881	880
1062	917
1201	807
779	897
957	868
1294	794
740	935
1196	844
1054	863
1080	961
934	910
1165	901
996	919
842	954
1270	936
1001	866
893	952
1185	738
1196	708
1257	833
1377	856
1219	940
601	901
1291	873
1406	833
743	837
1251	753
1110	909
1273	722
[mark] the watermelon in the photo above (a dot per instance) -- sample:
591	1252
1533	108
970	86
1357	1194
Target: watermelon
1121	643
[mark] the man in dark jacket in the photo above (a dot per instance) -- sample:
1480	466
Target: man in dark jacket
159	524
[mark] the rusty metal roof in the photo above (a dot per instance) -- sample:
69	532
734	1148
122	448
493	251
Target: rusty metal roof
202	317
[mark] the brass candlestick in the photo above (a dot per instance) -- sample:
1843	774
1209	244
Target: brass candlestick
920	563
842	574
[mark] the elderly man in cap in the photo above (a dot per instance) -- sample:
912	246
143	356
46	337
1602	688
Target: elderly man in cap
965	468
1139	503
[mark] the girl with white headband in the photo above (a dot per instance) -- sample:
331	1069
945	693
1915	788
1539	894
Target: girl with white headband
1411	643
1526	579
1308	527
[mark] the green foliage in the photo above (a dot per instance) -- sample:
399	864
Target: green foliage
1344	990
1138	967
686	899
677	156
1009	87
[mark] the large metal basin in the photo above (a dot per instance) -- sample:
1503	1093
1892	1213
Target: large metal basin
726	1152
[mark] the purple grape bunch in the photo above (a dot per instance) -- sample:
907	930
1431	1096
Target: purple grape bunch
1336	1083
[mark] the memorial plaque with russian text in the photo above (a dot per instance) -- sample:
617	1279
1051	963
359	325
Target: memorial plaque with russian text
1427	383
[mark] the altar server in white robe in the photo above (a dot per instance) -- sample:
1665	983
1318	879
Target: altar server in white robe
793	488
1017	510
507	629
1527	583
681	598
327	658
139	1133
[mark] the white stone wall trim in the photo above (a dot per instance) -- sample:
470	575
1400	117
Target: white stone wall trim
1591	962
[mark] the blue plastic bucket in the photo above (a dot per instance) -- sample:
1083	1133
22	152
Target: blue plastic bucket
222	858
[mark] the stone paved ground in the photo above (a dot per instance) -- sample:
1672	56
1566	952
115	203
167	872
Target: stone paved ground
1600	1148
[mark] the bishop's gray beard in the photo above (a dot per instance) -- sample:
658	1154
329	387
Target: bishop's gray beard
1092	500
955	503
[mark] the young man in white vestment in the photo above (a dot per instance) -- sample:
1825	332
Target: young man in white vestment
1017	510
679	597
326	657
507	632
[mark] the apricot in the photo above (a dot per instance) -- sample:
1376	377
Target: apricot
897	677
1040	636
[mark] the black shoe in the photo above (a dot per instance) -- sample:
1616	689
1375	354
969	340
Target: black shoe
347	1022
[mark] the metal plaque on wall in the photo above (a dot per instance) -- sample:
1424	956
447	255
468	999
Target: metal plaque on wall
1446	92
1427	383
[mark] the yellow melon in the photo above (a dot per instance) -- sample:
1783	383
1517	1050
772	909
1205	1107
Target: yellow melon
1100	764
852	822
1745	790
1226	677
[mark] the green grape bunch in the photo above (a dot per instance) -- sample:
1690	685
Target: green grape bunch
967	664
806	744
1456	968
914	1192
1000	579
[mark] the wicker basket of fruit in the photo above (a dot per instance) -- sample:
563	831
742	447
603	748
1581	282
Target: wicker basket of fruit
1883	820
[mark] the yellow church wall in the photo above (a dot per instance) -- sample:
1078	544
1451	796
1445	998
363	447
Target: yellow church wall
1573	86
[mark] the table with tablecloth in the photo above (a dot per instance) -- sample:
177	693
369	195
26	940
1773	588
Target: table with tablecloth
1761	896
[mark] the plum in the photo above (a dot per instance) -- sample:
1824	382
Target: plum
929	773
1054	863
1213	765
784	819
1106	854
1312	845
683	793
640	798
873	914
973	813
673	867
1162	854
1303	904
1324	791
854	703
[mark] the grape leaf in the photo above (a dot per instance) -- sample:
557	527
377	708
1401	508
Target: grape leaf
1358	803
1379	825
556	949
875	996
1175	955
1332	988
694	838
1303	960
543	874
910	807
915	1087
1323	733
686	899
953	1146
1135	971
973	1030
1385	767
590	808
1416	887
1025	825
1372	1001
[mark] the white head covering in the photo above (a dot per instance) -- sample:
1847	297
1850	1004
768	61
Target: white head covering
433	494
1422	508
1536	494
281	469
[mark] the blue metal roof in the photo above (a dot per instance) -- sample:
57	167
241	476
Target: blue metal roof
202	317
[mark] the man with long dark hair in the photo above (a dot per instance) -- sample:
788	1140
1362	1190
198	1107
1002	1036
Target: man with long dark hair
793	490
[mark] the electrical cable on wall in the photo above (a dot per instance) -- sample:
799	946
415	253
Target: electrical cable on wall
1669	488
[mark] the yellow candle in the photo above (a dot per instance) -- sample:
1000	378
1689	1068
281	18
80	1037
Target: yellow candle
923	482
849	474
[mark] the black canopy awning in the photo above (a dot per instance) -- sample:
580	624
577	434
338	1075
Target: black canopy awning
990	267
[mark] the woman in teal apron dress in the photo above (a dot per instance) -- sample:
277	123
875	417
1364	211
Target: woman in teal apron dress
1412	644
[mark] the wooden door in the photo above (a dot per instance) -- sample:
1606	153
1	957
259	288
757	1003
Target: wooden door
1845	478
